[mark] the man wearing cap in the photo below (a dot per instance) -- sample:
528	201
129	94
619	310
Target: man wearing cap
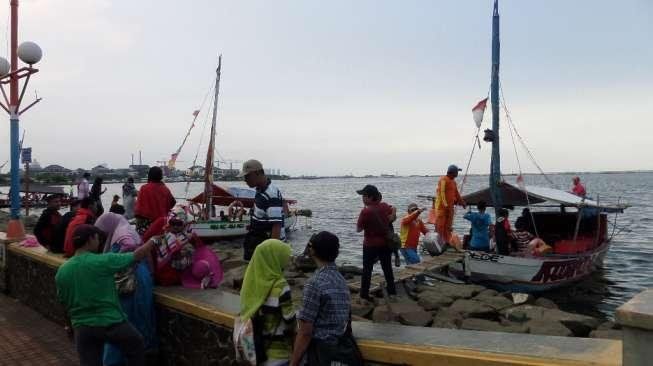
86	287
446	197
46	227
266	221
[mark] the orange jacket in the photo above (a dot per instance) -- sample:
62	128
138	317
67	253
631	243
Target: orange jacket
411	227
446	194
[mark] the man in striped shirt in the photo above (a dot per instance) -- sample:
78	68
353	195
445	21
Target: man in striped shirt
266	219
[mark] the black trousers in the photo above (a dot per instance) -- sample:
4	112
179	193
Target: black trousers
252	240
370	256
90	343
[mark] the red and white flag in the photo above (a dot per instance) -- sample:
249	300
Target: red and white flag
478	112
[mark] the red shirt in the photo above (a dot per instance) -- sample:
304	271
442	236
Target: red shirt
373	219
82	216
579	190
154	200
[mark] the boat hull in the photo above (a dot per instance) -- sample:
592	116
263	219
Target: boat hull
216	229
519	274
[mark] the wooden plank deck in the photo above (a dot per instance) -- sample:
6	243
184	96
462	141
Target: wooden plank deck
427	264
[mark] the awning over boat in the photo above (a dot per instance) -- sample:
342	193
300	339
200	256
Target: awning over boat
224	197
41	188
515	196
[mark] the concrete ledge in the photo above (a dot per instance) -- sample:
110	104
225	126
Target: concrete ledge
638	312
189	315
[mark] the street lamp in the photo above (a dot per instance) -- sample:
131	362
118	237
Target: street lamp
30	53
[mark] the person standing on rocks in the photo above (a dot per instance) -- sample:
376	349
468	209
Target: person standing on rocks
446	197
374	221
480	227
266	219
411	228
324	332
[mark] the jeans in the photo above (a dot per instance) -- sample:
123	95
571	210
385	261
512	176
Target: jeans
370	256
410	255
90	343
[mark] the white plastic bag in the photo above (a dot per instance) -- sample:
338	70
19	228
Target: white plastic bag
244	341
433	244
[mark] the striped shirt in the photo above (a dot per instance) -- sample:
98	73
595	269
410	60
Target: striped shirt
267	210
326	304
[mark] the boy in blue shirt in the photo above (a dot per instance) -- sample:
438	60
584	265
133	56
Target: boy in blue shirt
480	227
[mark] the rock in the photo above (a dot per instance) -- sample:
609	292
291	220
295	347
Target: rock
549	328
446	318
520	298
545	303
471	308
580	325
419	318
234	277
451	290
492	326
431	300
496	302
357	318
304	263
361	310
382	314
607	334
348	269
608	325
233	263
404	306
523	313
487	293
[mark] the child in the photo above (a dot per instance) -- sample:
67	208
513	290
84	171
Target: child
480	228
411	227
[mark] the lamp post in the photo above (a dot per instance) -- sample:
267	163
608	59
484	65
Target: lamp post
30	53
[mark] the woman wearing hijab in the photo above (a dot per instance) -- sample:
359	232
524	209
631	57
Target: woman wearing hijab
135	288
181	257
265	298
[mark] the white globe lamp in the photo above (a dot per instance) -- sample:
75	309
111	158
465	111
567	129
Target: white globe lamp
29	52
4	66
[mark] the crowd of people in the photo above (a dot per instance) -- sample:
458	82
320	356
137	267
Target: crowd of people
116	258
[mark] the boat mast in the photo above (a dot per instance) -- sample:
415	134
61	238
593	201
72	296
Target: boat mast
208	168
495	165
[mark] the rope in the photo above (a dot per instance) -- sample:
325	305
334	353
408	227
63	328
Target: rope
469	161
521	140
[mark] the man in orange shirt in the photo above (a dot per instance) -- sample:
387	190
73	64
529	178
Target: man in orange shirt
411	227
446	197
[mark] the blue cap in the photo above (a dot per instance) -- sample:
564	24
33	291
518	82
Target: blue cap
453	168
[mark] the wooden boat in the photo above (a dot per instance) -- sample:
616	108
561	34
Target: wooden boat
577	230
205	206
34	196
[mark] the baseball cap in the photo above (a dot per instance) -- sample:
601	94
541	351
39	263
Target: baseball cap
250	166
453	168
369	190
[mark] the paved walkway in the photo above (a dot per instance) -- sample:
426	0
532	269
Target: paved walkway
27	338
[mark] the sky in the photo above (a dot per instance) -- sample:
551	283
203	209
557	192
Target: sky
338	87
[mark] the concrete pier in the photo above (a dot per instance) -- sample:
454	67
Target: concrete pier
195	328
636	319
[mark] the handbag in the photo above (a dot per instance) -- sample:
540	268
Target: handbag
392	239
126	281
344	352
244	343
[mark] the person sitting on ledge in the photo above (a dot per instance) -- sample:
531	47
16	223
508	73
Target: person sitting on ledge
265	298
60	234
86	286
47	225
324	335
85	214
134	285
527	244
181	256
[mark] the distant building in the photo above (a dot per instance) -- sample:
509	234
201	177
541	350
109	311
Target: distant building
101	170
56	169
196	171
141	170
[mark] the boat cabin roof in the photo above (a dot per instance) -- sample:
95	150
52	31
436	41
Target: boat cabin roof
41	188
515	196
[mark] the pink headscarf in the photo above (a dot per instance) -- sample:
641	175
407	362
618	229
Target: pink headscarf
119	231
